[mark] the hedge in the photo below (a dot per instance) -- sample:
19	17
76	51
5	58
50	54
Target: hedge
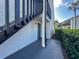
70	40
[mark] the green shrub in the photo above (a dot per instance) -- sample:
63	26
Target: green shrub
70	40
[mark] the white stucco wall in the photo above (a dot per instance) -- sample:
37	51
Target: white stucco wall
73	23
22	38
49	30
77	22
26	36
50	25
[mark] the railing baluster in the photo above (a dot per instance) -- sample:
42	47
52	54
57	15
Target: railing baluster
17	13
6	17
23	7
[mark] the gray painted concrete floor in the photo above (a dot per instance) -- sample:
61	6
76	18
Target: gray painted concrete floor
35	51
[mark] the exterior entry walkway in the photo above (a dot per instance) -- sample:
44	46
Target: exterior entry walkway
35	51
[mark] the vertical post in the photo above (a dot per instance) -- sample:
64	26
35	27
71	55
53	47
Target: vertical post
17	13
29	9
71	24
26	7
75	17
23	11
7	16
32	7
43	23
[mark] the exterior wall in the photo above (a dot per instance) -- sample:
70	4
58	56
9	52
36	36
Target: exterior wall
77	23
66	27
73	23
49	27
19	40
49	30
50	24
26	36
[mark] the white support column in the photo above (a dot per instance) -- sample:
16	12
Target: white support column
23	11
17	13
43	24
7	16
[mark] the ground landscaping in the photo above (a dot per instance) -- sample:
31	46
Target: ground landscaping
70	41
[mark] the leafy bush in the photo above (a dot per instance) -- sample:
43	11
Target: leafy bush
70	40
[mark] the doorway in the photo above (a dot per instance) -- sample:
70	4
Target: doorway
39	31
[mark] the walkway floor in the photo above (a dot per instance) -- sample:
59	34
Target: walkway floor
35	51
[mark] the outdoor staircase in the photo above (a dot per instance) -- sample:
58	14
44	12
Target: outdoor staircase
13	29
